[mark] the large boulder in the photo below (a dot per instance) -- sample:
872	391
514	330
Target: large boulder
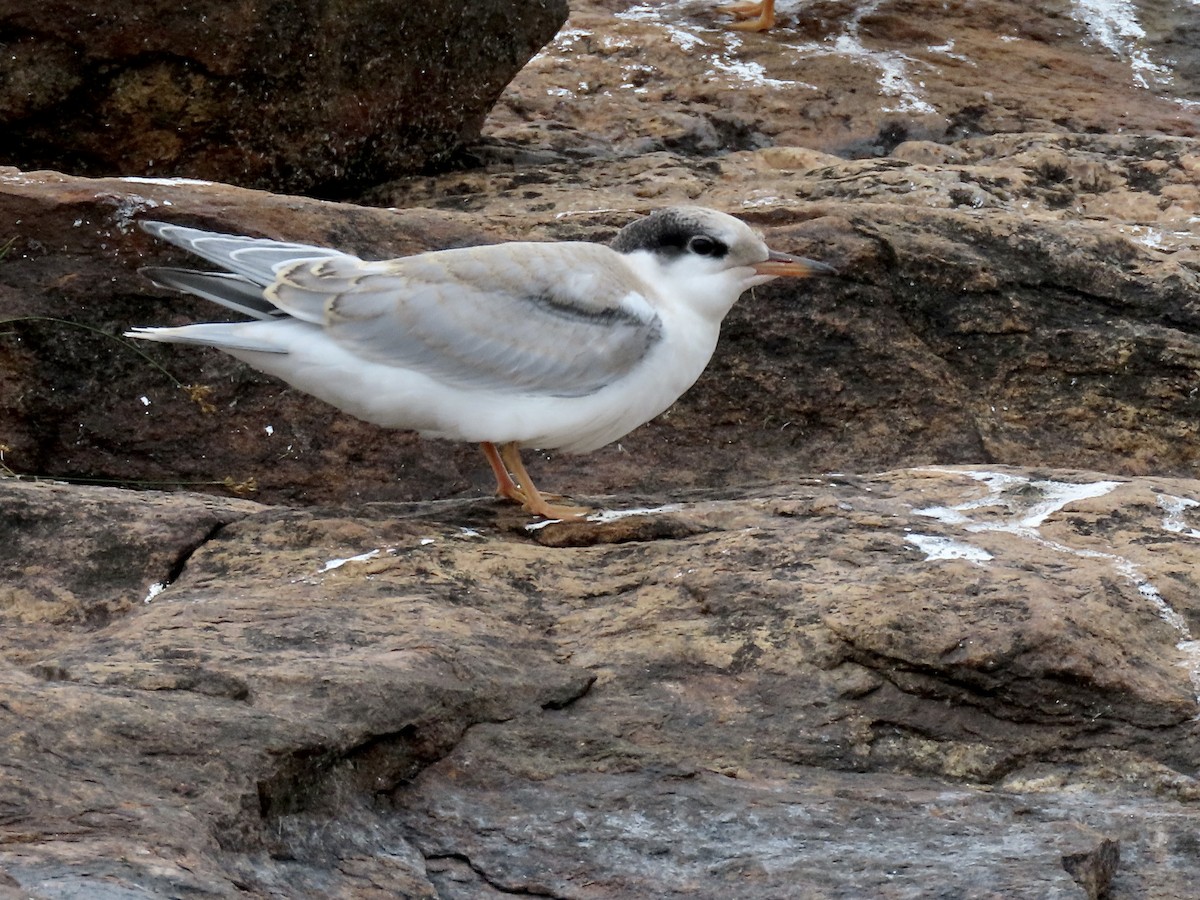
317	98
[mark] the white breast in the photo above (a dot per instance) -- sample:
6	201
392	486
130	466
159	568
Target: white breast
399	398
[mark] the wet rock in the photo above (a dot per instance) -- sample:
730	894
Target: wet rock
853	78
319	99
980	678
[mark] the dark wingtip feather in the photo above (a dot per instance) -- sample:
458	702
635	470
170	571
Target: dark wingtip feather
231	291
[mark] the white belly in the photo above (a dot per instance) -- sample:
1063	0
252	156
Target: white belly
398	398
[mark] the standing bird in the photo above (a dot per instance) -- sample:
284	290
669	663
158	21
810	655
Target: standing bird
564	346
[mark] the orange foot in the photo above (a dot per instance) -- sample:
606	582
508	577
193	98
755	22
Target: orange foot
506	462
759	16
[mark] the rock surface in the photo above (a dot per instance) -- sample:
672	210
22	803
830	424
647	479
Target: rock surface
956	681
1021	298
851	77
323	98
1020	305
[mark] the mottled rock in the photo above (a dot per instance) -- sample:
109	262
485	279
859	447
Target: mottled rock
325	99
843	686
1017	306
850	77
1093	868
975	682
53	581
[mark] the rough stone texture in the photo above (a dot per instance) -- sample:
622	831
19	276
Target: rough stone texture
979	318
926	682
851	77
145	537
319	98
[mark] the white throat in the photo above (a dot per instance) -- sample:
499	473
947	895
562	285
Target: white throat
691	284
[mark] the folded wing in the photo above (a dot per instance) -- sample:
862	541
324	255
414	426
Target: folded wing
556	319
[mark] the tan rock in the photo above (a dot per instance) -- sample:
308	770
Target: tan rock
984	676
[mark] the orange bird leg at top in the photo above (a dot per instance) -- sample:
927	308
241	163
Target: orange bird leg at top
759	16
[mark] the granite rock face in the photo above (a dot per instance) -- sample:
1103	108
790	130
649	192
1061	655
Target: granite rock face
976	319
972	674
854	78
323	99
982	681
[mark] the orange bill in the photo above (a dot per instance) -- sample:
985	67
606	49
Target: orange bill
781	265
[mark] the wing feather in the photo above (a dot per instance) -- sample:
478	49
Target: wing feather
560	319
252	258
231	291
557	319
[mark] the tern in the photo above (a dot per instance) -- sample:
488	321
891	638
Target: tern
554	345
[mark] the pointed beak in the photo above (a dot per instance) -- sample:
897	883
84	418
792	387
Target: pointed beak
780	265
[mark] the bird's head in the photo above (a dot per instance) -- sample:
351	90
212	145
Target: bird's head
707	257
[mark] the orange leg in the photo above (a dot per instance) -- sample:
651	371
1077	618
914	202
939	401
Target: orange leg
759	16
534	501
505	486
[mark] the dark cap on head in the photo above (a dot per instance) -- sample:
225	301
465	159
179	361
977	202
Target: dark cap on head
669	232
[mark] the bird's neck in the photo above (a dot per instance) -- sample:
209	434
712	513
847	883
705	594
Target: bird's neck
685	291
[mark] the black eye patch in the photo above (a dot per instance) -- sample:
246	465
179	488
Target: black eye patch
669	233
703	245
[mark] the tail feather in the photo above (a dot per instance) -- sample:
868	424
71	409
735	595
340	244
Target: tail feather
252	265
222	335
231	291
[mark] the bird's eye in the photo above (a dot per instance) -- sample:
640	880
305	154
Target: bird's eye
706	246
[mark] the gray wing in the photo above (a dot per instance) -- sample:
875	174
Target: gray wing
556	319
232	291
255	259
250	265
